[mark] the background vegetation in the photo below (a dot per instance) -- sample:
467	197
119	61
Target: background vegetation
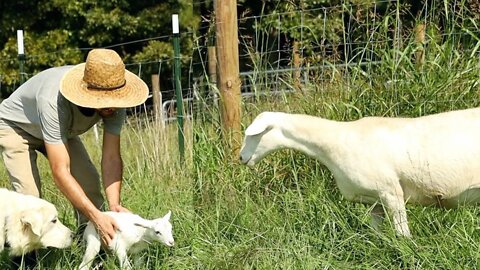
286	213
155	181
61	32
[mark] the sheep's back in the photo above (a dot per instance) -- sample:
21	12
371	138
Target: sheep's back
432	157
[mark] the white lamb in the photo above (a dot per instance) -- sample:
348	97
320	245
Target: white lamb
429	160
134	234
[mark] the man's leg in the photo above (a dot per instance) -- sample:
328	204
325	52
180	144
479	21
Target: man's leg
20	158
85	173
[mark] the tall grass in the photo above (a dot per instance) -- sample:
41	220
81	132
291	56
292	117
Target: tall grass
155	181
286	213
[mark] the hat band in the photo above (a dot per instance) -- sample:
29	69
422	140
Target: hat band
99	87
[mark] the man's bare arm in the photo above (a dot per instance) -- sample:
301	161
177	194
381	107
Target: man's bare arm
59	160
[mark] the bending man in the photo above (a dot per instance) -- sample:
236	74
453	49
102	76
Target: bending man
48	113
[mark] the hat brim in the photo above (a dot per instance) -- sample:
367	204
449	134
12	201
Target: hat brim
73	88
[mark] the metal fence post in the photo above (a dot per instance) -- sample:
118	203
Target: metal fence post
21	54
178	87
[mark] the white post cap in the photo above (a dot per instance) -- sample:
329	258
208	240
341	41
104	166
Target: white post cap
20	42
175	25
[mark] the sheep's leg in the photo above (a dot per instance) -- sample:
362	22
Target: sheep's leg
396	206
123	257
378	215
137	260
135	252
93	247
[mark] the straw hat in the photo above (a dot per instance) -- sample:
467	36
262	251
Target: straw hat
103	82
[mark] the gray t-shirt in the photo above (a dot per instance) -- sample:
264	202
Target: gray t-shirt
39	108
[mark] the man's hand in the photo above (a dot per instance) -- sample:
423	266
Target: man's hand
119	208
106	227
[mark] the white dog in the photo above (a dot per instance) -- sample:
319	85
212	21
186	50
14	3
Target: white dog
28	223
134	234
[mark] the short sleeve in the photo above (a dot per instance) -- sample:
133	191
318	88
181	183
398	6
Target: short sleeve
53	116
114	123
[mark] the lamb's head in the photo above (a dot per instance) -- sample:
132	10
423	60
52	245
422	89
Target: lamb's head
262	137
159	229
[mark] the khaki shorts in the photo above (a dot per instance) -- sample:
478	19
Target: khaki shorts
19	152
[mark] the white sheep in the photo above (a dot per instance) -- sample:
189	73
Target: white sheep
134	235
429	160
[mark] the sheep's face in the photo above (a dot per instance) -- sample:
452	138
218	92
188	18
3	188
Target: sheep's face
163	230
160	230
261	138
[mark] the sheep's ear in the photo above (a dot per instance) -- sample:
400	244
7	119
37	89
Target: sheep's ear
256	127
167	216
143	223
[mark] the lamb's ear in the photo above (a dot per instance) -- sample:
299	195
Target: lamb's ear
33	220
143	223
258	126
167	216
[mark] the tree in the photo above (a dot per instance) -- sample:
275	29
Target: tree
59	32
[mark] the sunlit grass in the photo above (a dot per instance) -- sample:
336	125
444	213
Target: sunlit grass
287	213
155	181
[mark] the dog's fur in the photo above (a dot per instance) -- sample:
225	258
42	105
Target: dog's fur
28	223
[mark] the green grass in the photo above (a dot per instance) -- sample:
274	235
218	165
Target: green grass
154	182
287	213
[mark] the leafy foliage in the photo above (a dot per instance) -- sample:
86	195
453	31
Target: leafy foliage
59	32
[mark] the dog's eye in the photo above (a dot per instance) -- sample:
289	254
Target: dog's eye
54	220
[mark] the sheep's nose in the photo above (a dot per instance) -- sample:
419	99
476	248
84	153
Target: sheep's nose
171	243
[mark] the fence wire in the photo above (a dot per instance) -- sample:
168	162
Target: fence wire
285	49
344	39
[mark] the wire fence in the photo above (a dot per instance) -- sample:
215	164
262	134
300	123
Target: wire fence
144	69
287	49
335	39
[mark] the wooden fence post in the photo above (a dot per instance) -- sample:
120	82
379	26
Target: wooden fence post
420	41
228	71
212	72
157	100
296	66
212	64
